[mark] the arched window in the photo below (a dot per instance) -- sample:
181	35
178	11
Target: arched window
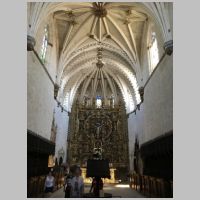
153	52
44	43
98	102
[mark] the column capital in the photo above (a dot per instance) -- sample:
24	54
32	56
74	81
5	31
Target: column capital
30	43
141	92
56	88
168	47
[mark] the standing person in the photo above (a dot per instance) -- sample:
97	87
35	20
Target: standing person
67	184
97	185
77	185
49	183
93	186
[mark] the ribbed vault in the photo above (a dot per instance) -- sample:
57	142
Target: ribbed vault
81	28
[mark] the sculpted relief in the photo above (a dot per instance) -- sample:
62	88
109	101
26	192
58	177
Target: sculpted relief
98	128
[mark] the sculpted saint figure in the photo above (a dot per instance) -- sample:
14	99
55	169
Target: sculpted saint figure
98	131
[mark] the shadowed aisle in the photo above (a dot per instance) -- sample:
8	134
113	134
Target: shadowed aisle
117	190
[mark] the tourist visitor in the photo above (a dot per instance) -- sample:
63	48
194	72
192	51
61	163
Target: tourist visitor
49	183
77	185
97	185
67	183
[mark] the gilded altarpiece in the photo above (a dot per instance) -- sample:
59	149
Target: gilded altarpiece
104	128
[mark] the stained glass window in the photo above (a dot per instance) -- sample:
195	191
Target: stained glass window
98	102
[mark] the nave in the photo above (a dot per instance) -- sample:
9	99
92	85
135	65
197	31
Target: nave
100	97
117	190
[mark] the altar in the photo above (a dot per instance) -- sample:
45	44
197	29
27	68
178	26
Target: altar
105	180
101	132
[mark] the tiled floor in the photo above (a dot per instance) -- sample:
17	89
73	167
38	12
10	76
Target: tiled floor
118	190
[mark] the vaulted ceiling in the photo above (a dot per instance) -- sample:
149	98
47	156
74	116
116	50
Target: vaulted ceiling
82	28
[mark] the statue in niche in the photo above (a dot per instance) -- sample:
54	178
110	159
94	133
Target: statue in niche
75	148
103	103
85	101
87	126
92	139
77	125
103	131
98	144
81	116
80	151
77	102
119	125
81	125
98	130
86	148
110	102
93	102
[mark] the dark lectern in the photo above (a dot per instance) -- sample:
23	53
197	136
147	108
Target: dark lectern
98	168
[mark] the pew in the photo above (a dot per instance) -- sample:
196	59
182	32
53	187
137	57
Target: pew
151	186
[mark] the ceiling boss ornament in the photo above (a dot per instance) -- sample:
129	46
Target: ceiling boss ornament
56	89
99	9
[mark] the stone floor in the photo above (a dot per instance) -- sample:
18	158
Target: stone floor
117	190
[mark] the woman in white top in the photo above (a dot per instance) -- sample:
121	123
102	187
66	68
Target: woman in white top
77	185
49	183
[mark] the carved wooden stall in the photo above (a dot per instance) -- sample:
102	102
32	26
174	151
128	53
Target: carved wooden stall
156	179
104	127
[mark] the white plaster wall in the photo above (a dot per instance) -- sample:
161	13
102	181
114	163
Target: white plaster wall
169	7
40	98
135	128
155	116
158	101
61	120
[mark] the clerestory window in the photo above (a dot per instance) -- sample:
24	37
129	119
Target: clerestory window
44	44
